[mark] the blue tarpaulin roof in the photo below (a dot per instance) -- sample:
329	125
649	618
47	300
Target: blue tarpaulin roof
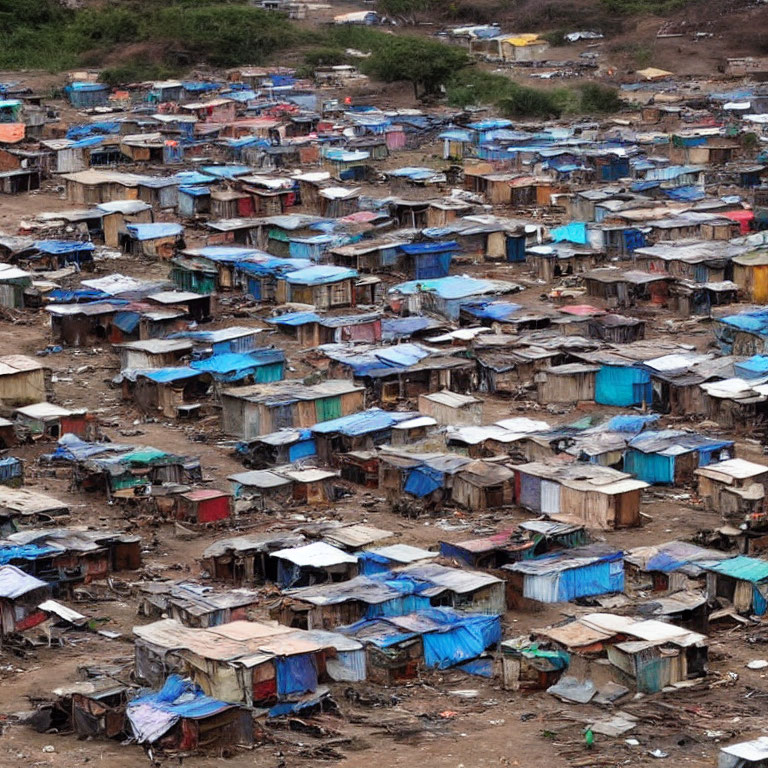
396	327
165	375
491	310
62	246
25	552
755	321
195	191
371	420
754	367
413	249
232	366
318	275
295	318
154	230
686	194
452	287
178	698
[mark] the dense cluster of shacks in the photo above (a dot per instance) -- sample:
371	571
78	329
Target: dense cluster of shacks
396	286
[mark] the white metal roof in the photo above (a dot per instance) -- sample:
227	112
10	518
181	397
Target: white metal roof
316	555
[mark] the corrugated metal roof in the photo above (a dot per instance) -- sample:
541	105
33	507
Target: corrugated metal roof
741	567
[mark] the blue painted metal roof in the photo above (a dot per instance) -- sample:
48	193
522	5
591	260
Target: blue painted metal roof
742	567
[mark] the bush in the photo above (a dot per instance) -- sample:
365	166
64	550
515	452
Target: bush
137	71
599	98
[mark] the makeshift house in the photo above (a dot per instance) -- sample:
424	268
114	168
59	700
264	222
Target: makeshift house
483	485
52	421
597	496
398	647
263	408
557	577
282	447
672	456
244	560
311	485
22	380
203	505
314	563
251	663
260	488
181	718
451	408
643	655
325	287
167	390
369	255
742	581
85	95
11	471
735	488
91	708
616	328
20	597
568	383
750	273
470	591
331	605
311	329
672	566
424	261
627	288
14	286
152	353
159	239
358	431
553	261
194	605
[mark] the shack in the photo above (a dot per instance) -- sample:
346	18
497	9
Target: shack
23	381
263	408
314	563
594	569
735	488
20	596
742	581
452	408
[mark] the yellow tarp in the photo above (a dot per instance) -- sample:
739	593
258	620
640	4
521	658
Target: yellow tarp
522	40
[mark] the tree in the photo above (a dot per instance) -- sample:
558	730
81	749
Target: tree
424	63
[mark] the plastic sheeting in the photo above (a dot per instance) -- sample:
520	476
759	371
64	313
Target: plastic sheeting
296	674
575	232
422	481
